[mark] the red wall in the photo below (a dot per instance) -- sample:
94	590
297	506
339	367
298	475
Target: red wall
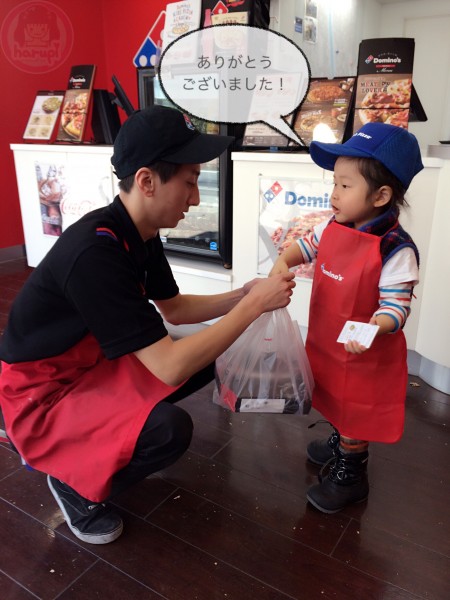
106	33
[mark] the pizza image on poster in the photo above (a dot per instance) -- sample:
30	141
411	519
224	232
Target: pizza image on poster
74	114
384	99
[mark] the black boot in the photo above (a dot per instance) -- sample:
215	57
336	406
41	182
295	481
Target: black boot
321	451
345	484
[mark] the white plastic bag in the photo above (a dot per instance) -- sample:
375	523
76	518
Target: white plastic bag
266	369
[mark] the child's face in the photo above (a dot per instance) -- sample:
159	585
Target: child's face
350	199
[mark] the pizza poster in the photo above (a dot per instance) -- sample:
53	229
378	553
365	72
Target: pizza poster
77	100
181	17
324	112
290	208
44	114
384	82
52	189
64	196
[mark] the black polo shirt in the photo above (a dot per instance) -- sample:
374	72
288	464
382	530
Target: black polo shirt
97	278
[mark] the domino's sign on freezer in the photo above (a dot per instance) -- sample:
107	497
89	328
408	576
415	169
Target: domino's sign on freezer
289	209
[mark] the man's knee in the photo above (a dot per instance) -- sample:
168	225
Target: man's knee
181	428
168	426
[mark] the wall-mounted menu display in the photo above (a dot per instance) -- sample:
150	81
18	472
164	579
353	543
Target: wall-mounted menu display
324	112
44	115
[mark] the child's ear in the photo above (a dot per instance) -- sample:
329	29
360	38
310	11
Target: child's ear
382	196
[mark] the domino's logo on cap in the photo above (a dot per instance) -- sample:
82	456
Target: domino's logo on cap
189	123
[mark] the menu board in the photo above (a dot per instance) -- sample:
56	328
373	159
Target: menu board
384	82
76	104
324	112
44	115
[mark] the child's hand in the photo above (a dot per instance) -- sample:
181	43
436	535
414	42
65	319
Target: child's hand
354	347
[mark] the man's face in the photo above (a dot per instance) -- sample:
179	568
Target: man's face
175	197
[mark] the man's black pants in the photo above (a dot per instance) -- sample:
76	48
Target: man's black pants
165	437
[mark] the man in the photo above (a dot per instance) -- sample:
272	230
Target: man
90	376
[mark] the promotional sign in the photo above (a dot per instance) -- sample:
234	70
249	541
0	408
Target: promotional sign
181	17
44	115
384	82
323	114
76	105
64	196
289	209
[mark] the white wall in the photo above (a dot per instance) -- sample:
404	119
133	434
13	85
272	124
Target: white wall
429	24
340	28
342	24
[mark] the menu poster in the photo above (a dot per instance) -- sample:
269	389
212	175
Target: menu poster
254	12
261	136
44	115
384	82
77	100
181	17
230	18
324	112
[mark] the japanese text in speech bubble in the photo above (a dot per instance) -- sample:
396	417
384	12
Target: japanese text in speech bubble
236	74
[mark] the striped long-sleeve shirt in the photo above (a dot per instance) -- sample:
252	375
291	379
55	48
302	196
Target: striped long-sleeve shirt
398	277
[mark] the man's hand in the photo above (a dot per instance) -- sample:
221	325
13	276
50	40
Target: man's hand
273	292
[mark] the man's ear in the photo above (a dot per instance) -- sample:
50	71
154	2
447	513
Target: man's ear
145	180
382	196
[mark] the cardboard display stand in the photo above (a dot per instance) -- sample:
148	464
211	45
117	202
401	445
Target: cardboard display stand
384	82
76	105
44	115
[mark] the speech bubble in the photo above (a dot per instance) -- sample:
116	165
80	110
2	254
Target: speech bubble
236	74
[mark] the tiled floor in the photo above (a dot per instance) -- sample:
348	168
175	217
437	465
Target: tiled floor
229	521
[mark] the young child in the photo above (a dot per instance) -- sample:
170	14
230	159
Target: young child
367	267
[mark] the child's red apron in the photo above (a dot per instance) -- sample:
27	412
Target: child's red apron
77	416
363	395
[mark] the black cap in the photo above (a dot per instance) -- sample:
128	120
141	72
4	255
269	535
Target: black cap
162	133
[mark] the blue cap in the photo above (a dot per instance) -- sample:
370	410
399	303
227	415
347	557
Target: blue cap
396	148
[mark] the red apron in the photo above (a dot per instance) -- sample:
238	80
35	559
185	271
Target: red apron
77	416
363	395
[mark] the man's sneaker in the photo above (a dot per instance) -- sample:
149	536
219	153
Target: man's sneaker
321	451
94	523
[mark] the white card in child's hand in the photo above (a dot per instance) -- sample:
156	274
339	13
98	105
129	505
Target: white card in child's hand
363	333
